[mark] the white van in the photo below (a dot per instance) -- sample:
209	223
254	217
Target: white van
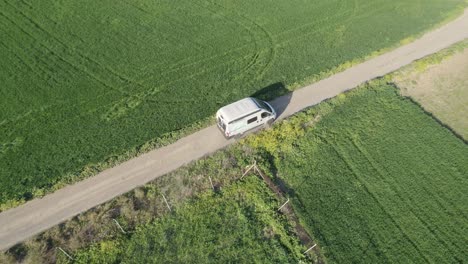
236	118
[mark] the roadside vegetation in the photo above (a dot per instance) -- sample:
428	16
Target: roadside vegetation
87	85
238	224
136	208
210	205
374	178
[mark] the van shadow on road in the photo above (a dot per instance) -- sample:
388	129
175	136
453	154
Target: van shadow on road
277	95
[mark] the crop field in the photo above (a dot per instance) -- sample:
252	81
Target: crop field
378	180
84	82
237	225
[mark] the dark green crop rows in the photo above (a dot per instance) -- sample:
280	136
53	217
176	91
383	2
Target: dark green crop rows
238	225
85	81
380	181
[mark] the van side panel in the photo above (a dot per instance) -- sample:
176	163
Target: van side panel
242	125
246	122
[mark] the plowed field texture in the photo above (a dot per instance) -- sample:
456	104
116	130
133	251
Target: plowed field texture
85	81
378	180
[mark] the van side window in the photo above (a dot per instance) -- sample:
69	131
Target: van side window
265	114
251	120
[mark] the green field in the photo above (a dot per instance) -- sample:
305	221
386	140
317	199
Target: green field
238	225
377	180
83	82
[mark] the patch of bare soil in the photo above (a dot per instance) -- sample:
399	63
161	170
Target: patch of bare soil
442	90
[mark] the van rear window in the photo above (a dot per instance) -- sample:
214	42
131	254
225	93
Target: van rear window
251	120
221	123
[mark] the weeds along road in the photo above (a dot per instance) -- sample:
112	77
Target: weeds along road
38	215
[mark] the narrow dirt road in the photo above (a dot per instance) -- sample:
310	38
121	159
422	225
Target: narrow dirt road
38	215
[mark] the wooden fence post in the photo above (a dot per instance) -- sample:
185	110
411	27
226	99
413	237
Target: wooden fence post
310	248
167	204
251	167
117	223
283	204
66	254
212	186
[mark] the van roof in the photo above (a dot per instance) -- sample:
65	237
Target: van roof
239	109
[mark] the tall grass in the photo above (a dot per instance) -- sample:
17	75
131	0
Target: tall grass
239	224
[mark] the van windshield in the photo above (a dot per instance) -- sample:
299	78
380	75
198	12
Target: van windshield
263	105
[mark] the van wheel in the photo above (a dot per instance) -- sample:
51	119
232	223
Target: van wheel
239	136
269	123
